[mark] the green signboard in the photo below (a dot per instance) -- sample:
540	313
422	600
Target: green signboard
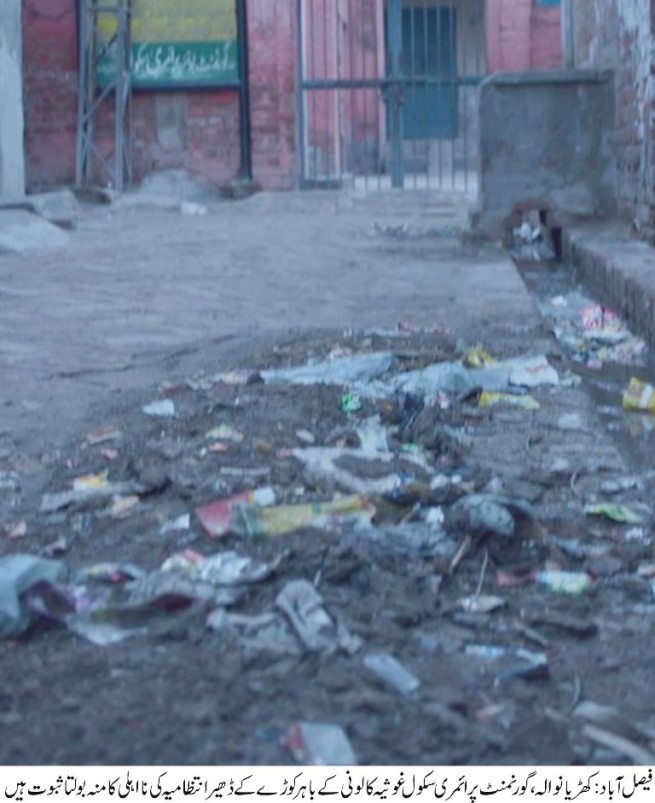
179	44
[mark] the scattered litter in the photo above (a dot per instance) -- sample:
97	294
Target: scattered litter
179	524
122	506
109	454
639	396
408	540
478	358
52	502
321	469
245	516
481	603
620	485
17	530
592	333
487	514
489	399
112	573
20	574
342	371
303	606
372	435
512	662
319	744
561	582
351	403
215	448
223	432
104	435
618	513
56	548
305	436
576	626
164	408
222	569
531	372
392	672
91	482
265	634
237	377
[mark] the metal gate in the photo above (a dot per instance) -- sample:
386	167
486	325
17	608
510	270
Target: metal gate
387	92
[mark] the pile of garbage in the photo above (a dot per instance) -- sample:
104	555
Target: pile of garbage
359	449
591	333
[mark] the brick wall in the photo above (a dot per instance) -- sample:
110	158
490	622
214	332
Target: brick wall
49	90
619	35
521	35
197	130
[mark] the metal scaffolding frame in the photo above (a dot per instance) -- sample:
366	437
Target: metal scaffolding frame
106	96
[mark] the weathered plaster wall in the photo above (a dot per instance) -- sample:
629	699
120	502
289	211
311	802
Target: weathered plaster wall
193	129
618	34
12	171
546	142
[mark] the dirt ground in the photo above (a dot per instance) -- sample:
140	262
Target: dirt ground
537	676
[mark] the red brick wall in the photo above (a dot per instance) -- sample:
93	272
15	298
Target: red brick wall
197	130
545	38
522	36
49	90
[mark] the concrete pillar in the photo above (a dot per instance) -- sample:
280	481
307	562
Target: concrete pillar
12	159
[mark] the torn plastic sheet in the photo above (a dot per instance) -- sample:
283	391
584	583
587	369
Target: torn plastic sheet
359	368
488	513
321	469
361	373
413	540
267	633
303	606
127	599
19	574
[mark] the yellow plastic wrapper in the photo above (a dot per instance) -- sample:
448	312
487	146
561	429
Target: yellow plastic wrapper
91	482
639	396
241	515
489	398
478	358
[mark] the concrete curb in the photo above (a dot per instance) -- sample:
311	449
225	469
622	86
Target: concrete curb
620	268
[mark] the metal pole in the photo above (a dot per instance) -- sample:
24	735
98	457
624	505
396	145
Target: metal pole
300	91
395	49
244	92
121	86
83	68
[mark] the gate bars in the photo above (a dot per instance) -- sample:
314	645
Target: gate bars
387	92
113	99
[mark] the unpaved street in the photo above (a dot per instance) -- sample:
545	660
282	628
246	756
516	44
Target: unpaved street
387	548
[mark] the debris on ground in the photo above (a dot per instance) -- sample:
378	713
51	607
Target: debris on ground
591	333
326	531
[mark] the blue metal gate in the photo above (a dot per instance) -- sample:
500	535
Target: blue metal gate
387	92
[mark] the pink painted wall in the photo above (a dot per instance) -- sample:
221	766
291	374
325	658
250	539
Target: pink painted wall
341	124
522	36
